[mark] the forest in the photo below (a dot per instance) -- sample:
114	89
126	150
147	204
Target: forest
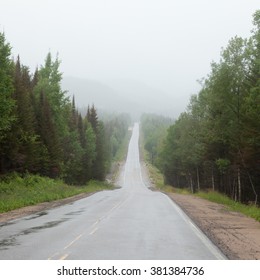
41	130
215	143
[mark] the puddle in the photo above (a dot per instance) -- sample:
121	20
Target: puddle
6	243
44	226
74	213
11	241
6	224
43	213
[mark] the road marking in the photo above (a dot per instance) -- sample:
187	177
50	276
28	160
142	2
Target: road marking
95	223
73	241
55	254
93	231
64	257
204	239
114	207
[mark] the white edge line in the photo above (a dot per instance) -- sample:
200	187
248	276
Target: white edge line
207	242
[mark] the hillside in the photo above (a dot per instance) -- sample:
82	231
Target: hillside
126	96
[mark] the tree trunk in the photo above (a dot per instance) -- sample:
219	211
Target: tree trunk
239	184
198	179
253	187
191	184
249	176
178	181
212	180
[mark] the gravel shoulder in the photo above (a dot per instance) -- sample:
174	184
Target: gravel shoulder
236	235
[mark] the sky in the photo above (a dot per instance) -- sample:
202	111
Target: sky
166	44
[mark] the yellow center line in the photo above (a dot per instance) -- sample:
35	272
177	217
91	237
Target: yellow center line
64	257
93	231
95	223
52	256
73	241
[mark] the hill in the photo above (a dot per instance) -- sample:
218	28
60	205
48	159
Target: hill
122	96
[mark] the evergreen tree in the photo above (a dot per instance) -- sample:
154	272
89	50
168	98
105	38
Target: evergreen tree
6	102
90	153
93	118
49	81
6	87
99	164
42	132
24	139
49	137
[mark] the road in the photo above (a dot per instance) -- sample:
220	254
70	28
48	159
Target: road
132	222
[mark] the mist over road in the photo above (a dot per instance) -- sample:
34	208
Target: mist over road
132	222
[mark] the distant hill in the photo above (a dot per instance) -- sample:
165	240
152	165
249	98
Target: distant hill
123	96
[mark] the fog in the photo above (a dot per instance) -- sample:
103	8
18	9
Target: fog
164	46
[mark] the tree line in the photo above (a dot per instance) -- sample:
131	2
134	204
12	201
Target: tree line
216	142
41	130
154	131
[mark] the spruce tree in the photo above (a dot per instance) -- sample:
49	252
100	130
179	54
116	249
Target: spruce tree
7	104
23	142
50	139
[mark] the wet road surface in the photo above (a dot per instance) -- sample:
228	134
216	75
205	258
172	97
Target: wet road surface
128	223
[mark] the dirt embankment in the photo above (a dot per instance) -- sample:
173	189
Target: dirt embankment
237	236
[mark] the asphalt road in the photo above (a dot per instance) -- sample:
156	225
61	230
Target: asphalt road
132	222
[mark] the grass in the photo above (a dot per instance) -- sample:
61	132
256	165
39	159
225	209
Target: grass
248	210
17	191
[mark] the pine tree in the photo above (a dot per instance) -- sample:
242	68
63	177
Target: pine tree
90	153
23	140
93	118
99	164
6	87
7	117
50	139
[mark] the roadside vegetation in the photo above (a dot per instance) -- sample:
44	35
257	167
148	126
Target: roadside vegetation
213	149
41	130
48	148
248	210
157	179
17	191
215	143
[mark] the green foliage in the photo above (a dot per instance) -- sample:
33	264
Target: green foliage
223	164
248	210
154	129
41	130
6	88
17	191
116	130
216	142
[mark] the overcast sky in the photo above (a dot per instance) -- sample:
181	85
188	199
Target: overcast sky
168	44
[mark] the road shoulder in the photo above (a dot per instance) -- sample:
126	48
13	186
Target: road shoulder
28	210
236	235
